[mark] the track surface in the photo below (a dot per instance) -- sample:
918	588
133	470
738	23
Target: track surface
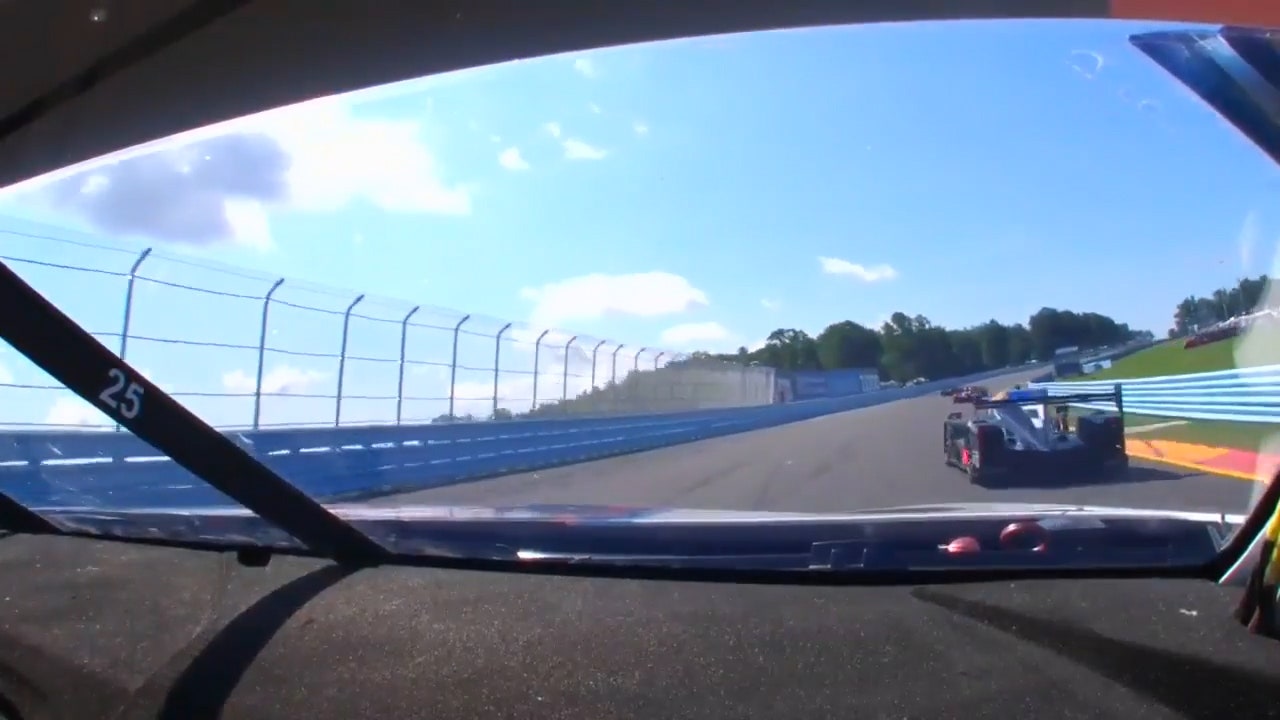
873	457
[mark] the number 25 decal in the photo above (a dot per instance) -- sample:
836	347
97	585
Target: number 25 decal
131	403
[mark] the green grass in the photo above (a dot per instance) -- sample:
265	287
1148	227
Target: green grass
1170	358
1215	433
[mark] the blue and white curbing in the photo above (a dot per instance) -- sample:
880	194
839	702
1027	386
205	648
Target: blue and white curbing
1238	395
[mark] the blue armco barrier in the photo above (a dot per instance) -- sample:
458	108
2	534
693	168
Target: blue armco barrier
108	469
1239	395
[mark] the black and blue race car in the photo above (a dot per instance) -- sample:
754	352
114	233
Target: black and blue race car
1026	437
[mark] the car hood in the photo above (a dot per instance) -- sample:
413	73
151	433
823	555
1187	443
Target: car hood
613	514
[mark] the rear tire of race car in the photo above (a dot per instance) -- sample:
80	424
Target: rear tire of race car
975	473
1120	469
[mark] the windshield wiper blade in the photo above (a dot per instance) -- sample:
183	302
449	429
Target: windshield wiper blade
49	338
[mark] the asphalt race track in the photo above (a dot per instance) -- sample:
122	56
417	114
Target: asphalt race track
874	457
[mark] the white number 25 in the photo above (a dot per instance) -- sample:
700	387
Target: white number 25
131	403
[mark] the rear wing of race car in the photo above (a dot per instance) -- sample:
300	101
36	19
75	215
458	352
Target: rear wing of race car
1059	417
1041	396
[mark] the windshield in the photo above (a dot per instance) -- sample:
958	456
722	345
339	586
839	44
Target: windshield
718	282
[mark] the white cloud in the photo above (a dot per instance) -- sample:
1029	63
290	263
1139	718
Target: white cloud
768	304
217	184
512	160
338	158
495	139
574	149
585	67
578	150
640	128
872	273
6	376
282	379
590	297
594	108
687	334
72	410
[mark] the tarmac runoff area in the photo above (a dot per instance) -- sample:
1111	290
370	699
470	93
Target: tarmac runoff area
873	457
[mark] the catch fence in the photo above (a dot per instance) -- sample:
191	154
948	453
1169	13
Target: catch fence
244	350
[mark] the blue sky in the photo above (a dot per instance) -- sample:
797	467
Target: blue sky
685	195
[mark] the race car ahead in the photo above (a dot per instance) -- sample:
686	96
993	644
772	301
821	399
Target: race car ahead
969	393
1025	436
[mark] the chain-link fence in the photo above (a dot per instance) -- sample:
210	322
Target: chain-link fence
244	350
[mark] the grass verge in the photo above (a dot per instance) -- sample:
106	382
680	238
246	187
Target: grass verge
1213	433
1170	358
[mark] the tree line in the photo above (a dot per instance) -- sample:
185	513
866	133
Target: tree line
1194	312
907	347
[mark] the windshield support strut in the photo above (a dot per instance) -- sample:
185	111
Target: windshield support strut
49	338
18	518
147	44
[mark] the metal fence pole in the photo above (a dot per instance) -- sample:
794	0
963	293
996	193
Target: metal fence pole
658	359
537	350
128	301
594	351
564	387
614	375
404	339
635	366
453	365
497	365
342	360
262	352
128	306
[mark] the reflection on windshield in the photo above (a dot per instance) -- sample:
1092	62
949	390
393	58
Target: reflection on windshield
735	302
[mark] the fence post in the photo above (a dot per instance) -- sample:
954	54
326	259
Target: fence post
128	306
342	360
262	352
537	350
453	364
497	366
404	337
564	387
594	351
128	301
635	366
657	359
613	378
1124	446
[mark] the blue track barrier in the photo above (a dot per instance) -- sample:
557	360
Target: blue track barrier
110	469
1238	395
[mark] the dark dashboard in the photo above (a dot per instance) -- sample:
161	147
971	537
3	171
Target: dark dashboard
905	539
93	629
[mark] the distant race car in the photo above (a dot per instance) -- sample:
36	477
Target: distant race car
1025	435
969	393
947	392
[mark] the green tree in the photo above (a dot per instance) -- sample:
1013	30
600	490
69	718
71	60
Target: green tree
847	344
